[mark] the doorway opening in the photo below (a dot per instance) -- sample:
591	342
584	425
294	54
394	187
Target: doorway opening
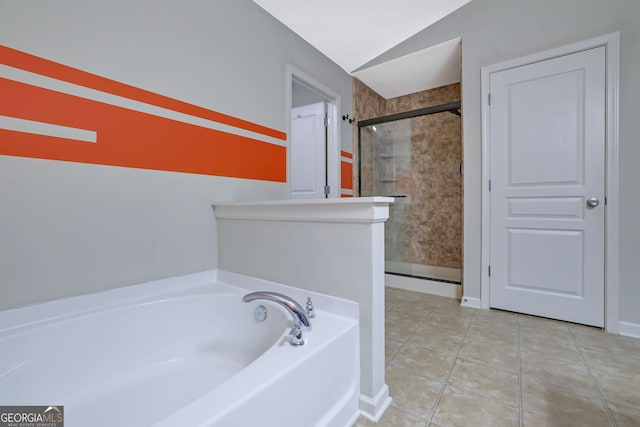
313	155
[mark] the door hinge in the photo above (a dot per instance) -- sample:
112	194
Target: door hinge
489	271
489	99
327	190
327	122
489	185
605	200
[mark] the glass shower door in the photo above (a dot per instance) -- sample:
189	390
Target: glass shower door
386	171
416	160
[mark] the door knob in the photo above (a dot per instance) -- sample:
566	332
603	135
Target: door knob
593	202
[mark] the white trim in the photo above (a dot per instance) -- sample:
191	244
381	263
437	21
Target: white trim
612	231
333	148
333	135
373	409
347	210
485	201
612	44
471	302
629	329
425	286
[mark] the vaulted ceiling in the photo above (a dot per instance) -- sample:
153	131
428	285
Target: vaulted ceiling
354	32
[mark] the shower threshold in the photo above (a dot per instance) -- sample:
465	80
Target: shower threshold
430	272
413	276
443	281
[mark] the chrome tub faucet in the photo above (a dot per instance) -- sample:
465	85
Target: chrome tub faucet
299	314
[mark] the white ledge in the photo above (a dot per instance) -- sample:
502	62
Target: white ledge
351	209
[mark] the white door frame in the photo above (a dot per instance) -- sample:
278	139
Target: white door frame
333	132
612	45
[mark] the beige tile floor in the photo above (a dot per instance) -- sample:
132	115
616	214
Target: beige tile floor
448	365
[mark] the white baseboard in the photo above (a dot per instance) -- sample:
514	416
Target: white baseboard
470	302
433	287
373	409
629	329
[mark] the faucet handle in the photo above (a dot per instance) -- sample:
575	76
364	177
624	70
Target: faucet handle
295	336
308	309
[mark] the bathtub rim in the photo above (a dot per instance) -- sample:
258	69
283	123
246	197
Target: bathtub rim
21	319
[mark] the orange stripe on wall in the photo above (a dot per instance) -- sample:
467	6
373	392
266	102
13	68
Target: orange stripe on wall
346	154
132	139
45	67
346	175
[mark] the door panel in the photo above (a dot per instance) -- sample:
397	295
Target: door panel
308	151
547	152
536	252
537	137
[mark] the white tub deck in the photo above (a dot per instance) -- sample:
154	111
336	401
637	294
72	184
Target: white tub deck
182	351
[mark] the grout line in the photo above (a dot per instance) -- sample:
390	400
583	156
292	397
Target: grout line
446	380
400	348
403	342
519	364
519	367
593	378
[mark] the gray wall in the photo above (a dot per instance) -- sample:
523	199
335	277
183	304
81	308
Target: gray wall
70	228
497	30
301	95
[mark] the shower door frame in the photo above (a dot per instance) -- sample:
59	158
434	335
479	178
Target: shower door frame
451	107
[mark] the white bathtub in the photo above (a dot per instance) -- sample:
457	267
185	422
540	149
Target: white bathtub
182	352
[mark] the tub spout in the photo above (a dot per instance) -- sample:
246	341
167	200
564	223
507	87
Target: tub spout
301	321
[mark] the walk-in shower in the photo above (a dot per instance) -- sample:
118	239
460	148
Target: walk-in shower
416	157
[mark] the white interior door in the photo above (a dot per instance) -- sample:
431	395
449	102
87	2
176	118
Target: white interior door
547	171
308	151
